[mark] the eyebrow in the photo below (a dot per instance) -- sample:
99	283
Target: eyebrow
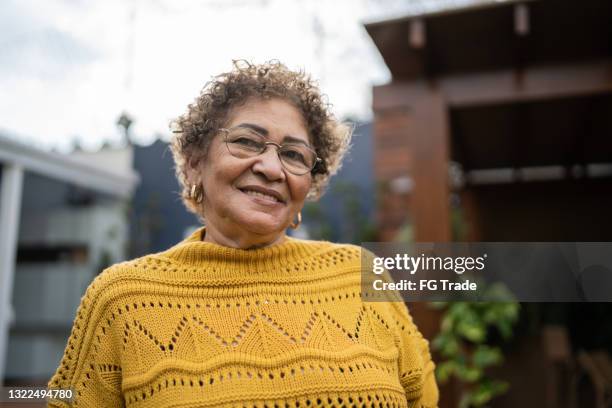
264	132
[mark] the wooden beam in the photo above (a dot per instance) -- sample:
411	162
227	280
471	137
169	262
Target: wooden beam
521	19
522	128
521	41
447	10
538	83
417	33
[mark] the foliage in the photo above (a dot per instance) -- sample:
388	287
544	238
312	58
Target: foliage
466	350
354	225
357	227
459	228
465	341
318	226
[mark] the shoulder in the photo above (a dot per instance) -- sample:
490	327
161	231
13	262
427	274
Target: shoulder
330	247
106	295
336	253
118	271
114	281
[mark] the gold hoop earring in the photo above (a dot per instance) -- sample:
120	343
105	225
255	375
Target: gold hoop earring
196	193
296	224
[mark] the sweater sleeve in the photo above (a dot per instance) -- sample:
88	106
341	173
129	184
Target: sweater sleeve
94	381
417	374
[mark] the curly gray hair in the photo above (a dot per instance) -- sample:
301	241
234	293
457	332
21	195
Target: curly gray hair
208	113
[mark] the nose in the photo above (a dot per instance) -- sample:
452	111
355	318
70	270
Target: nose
268	164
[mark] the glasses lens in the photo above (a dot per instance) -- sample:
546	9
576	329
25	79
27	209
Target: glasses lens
243	143
297	159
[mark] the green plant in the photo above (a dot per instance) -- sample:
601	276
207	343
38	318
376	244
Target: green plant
464	343
357	228
318	224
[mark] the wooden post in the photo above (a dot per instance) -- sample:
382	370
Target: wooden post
422	134
429	135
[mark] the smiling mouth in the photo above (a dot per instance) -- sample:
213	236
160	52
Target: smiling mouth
261	195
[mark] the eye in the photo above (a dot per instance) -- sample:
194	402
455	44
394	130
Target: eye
294	155
246	142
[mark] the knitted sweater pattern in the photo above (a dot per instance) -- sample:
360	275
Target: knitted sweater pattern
201	325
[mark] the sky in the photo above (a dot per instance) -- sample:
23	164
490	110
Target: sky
69	68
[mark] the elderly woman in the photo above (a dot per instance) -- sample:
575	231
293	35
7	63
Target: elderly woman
240	314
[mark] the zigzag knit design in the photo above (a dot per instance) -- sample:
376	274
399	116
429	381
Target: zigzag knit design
201	325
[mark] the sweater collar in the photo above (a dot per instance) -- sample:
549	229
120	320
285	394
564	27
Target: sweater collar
216	263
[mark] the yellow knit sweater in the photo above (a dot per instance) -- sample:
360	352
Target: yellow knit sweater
201	325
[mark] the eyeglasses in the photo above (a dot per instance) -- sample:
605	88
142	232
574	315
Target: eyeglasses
245	143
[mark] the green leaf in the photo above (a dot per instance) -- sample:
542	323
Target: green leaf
485	356
438	342
469	374
451	347
462	343
466	400
498	292
499	387
447	323
444	370
472	330
505	328
438	305
482	395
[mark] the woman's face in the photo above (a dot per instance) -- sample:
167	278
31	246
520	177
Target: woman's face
254	196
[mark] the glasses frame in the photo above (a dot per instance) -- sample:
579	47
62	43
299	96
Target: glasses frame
317	160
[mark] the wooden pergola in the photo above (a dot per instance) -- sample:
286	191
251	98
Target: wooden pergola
504	90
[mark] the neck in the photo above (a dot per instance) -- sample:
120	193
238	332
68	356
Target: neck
241	241
212	265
